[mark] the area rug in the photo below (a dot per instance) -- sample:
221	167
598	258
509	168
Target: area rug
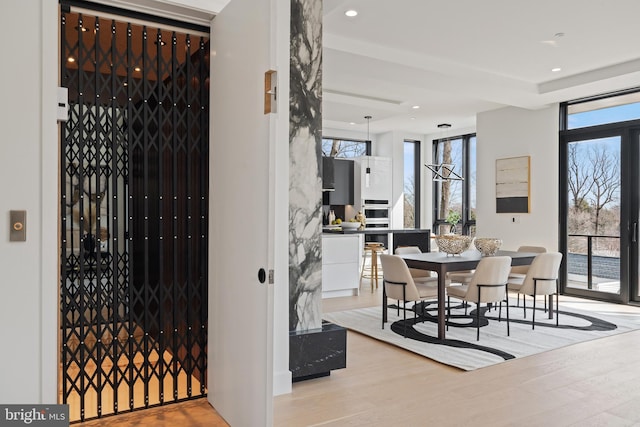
460	348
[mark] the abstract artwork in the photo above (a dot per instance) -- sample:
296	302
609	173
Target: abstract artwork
513	185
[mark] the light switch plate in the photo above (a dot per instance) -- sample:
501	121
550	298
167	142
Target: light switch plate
18	226
62	111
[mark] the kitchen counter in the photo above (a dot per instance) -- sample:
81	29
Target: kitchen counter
378	231
342	255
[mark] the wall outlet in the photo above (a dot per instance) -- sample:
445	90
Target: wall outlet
515	219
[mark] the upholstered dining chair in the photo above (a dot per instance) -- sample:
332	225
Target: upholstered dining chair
519	271
415	272
398	284
541	279
487	285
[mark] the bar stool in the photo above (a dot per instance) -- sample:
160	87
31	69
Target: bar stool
373	270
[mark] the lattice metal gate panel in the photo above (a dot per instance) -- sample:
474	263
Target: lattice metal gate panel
134	162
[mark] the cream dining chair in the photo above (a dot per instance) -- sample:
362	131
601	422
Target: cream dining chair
487	285
519	271
415	272
541	279
398	284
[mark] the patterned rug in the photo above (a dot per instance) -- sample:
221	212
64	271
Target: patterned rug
460	348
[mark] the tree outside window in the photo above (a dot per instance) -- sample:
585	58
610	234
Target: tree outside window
454	200
344	148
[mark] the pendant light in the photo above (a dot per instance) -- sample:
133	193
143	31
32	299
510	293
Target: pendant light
367	174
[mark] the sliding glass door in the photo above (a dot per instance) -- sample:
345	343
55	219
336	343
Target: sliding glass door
600	203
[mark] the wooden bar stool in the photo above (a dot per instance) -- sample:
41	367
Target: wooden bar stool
373	271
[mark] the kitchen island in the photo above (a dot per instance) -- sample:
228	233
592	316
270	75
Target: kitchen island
342	255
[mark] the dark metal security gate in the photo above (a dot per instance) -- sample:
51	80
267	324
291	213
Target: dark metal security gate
134	164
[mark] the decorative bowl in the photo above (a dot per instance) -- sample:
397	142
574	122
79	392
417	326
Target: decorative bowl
453	244
488	246
348	225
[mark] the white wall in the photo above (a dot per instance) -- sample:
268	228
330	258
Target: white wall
280	57
512	132
28	160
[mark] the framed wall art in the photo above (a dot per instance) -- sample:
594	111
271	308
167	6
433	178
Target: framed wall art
513	185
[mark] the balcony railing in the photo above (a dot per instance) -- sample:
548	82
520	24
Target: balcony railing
603	262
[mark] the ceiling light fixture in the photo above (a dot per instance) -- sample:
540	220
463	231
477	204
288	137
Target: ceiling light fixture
71	59
367	174
351	13
415	107
555	70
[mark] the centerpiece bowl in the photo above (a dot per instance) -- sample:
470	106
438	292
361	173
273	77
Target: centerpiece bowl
453	244
488	246
350	225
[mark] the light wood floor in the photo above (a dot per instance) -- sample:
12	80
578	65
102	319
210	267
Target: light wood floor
595	383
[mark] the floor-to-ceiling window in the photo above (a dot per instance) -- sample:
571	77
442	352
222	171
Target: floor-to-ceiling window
599	155
134	200
454	185
411	184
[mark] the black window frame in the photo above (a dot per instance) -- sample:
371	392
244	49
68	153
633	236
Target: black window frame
466	221
417	181
367	142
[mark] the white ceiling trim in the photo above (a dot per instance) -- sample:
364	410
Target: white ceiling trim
342	65
199	12
581	79
357	99
419	60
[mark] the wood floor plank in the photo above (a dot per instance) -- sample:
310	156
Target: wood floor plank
586	384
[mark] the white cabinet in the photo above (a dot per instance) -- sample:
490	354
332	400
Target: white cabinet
341	257
380	178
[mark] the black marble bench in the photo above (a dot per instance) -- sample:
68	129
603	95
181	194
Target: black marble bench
316	352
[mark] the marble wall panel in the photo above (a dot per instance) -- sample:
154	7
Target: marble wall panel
305	179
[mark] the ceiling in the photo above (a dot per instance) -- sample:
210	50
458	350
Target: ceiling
455	59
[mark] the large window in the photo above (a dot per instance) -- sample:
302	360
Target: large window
411	184
600	196
603	110
454	200
345	148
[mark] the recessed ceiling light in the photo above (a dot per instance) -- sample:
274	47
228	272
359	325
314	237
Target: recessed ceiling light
351	13
415	107
352	123
138	69
71	59
555	70
413	118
